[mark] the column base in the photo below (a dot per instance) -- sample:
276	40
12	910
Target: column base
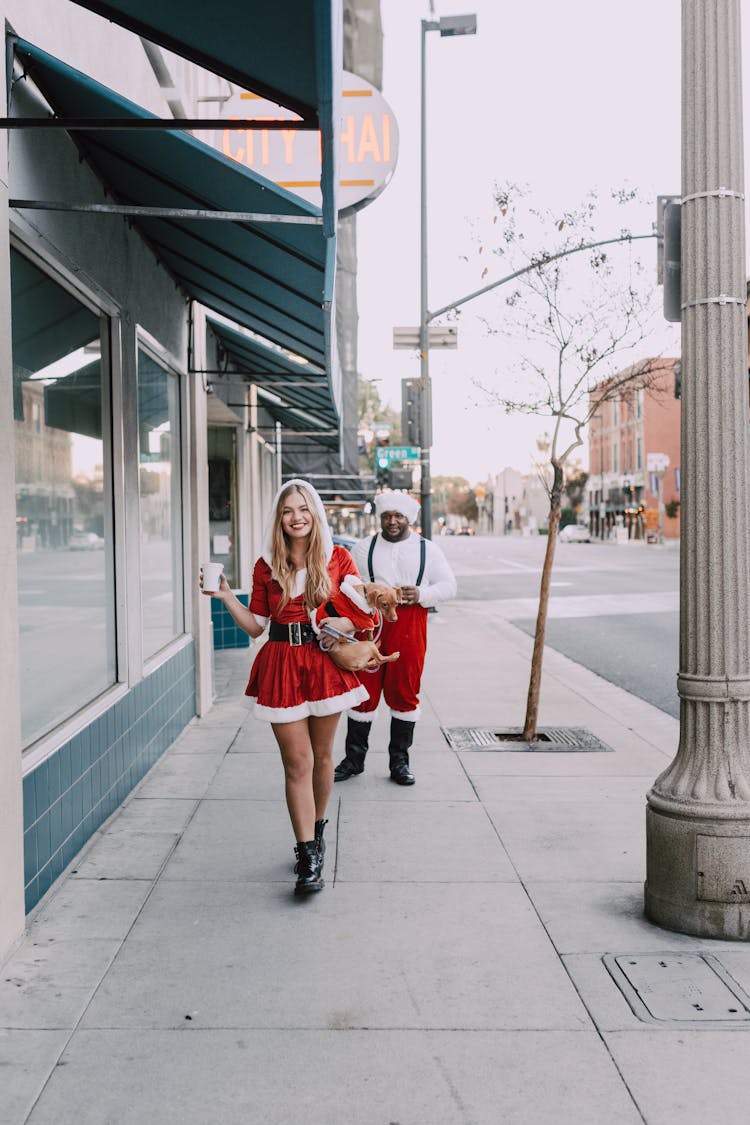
698	874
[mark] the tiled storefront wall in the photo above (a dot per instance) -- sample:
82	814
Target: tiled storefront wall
227	634
69	795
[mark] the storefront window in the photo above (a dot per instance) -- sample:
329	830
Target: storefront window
63	500
160	504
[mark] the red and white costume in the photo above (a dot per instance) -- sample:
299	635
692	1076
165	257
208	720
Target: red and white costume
398	564
294	681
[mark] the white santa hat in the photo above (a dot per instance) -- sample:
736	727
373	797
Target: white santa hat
318	509
397	502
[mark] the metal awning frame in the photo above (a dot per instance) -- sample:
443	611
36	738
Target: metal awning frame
163	212
120	124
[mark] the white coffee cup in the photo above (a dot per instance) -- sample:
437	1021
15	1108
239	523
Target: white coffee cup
212	573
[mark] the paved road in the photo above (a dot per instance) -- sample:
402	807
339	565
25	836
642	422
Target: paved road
613	609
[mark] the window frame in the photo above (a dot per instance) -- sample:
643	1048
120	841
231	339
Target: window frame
103	308
143	340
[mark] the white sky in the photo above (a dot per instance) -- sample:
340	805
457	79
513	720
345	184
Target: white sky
561	96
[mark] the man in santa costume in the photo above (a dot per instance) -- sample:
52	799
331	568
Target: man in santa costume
397	556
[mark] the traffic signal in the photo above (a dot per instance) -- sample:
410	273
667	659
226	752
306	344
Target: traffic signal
416	412
673	262
401	478
382	459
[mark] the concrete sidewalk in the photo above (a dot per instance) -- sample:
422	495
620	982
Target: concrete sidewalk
453	971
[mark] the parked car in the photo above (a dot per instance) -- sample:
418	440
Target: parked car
465	531
347	541
575	533
85	541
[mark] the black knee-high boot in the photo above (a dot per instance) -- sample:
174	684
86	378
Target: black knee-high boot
402	735
357	740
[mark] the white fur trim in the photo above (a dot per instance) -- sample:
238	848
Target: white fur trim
361	716
315	707
407	716
347	588
316	628
319	511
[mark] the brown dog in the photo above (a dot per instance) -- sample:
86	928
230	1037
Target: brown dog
383	598
358	656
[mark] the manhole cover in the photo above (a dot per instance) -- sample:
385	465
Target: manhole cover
684	988
549	740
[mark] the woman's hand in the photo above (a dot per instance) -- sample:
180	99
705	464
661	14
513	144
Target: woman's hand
221	593
343	624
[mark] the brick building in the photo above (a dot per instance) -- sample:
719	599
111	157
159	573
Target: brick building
624	434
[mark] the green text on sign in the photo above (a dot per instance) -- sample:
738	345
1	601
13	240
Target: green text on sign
385	454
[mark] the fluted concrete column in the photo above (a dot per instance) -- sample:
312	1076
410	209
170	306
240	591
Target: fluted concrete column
698	819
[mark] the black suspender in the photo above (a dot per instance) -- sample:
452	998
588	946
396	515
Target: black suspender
422	556
422	559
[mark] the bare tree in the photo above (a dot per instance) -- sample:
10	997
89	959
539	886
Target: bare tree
576	315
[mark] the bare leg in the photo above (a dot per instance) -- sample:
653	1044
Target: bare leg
297	757
322	732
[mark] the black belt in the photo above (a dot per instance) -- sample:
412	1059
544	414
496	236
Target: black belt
295	633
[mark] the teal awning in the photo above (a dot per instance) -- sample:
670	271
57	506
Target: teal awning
296	395
289	51
273	278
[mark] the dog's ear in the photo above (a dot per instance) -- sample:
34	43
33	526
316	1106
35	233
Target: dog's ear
399	595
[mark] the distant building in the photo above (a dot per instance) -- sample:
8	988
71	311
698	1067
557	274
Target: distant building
520	502
625	434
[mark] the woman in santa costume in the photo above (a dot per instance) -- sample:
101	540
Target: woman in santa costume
397	556
294	685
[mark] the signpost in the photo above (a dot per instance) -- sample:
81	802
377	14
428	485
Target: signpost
443	336
385	455
658	463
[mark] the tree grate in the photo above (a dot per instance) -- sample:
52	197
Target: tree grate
549	740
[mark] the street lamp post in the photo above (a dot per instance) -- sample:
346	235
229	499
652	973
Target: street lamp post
698	818
447	26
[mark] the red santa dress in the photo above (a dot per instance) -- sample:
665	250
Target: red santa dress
289	682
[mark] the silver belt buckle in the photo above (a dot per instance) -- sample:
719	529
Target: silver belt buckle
295	633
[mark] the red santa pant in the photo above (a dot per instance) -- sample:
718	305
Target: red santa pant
399	681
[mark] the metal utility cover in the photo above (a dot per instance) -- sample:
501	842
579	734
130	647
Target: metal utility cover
684	988
505	739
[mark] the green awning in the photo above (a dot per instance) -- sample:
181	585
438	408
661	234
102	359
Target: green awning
296	395
274	278
47	322
289	51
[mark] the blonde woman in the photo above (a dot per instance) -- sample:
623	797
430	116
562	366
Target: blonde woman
294	685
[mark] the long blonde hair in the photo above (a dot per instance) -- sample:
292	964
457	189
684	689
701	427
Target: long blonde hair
317	580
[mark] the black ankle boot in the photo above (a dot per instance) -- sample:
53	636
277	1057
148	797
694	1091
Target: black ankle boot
402	735
319	842
309	868
357	739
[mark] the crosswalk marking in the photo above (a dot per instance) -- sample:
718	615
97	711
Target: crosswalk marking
588	605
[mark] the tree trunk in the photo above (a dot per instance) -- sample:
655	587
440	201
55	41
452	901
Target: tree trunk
535	678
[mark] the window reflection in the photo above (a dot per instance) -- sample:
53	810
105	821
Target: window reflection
63	507
160	504
222	471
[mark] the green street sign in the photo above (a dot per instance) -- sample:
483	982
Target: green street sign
385	455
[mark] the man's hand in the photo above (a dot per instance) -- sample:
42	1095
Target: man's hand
409	595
